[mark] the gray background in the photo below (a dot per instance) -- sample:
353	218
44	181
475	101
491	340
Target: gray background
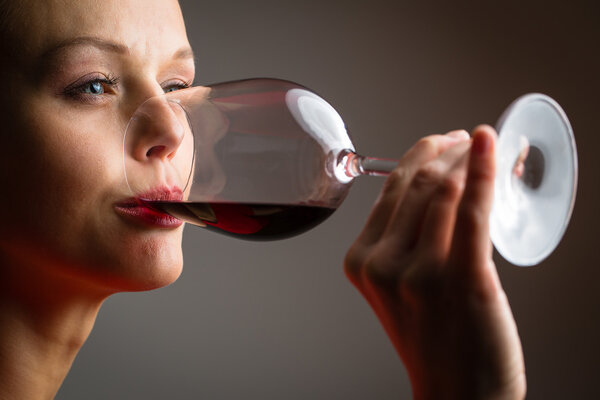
279	320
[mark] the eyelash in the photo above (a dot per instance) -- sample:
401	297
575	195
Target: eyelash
176	85
76	91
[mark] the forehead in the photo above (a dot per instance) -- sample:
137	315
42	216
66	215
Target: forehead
144	26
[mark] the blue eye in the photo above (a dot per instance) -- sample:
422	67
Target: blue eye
176	86
94	88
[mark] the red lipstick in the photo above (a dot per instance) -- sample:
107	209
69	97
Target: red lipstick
139	209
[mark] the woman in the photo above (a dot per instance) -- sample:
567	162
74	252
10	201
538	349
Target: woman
74	72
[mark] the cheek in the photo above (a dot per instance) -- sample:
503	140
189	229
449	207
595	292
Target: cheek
71	173
68	166
74	163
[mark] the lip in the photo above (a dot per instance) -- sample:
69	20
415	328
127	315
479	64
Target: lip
137	210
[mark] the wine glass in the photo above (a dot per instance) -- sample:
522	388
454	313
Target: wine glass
266	159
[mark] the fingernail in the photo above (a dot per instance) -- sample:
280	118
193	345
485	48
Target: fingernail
459	134
481	144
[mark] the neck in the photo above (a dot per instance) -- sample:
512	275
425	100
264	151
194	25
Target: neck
45	317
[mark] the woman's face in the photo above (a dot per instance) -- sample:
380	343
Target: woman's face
77	71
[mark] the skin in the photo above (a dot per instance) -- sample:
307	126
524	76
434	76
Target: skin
423	260
424	263
63	247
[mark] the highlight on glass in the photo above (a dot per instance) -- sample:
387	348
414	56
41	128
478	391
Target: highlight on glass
266	159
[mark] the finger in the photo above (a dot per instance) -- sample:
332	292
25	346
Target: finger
470	251
406	223
396	184
438	223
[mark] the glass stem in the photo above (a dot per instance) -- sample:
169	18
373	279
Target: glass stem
355	165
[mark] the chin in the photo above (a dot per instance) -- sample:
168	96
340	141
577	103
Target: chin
132	264
140	260
102	268
159	277
150	269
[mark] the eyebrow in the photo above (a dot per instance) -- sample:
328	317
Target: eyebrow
106	45
101	44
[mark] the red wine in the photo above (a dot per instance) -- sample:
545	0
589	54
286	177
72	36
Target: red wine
247	221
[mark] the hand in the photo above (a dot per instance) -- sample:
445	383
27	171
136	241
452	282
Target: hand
424	263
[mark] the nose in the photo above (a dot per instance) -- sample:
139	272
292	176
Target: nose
156	130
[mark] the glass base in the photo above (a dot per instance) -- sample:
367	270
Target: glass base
536	180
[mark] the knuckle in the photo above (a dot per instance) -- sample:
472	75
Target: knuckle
471	216
353	263
482	174
381	272
451	188
396	178
428	175
427	145
377	276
